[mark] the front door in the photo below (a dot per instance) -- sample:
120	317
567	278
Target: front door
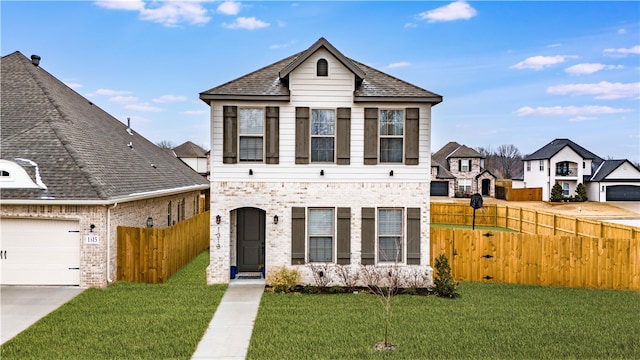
486	183
250	239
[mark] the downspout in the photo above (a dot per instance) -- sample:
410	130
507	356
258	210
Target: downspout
109	280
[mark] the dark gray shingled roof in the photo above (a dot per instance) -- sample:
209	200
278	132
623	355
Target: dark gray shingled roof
454	150
608	166
82	152
270	83
189	149
442	173
552	148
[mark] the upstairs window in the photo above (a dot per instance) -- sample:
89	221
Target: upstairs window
322	68
541	165
528	165
251	133
391	135
323	135
464	165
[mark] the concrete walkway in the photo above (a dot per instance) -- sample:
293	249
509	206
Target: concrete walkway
229	332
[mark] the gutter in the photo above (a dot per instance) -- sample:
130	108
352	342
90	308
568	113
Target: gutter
109	202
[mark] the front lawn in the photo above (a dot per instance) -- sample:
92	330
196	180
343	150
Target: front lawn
126	321
488	321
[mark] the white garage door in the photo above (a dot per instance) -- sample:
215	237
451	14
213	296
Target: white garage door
39	252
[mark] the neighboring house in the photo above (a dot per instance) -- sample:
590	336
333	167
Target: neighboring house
458	170
318	158
70	175
195	156
564	162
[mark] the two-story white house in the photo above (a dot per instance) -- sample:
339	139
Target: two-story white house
318	158
564	162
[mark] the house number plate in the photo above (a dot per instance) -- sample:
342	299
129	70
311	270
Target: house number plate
92	239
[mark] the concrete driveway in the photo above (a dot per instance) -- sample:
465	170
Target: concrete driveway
22	306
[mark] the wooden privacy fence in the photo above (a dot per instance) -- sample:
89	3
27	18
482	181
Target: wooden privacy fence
152	255
511	194
573	261
529	221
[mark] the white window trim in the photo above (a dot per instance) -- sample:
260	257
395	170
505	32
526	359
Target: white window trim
380	136
334	136
403	236
263	135
334	236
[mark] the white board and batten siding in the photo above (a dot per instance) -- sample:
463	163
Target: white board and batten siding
39	252
332	92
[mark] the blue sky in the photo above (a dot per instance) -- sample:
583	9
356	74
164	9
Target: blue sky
520	73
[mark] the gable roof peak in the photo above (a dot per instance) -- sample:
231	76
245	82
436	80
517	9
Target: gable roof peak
322	43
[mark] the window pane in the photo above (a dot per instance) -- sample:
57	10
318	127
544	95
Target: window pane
390	249
390	222
251	122
322	122
320	222
250	148
320	249
391	150
322	149
391	122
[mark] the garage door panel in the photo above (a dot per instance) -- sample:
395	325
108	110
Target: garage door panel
623	193
439	188
39	252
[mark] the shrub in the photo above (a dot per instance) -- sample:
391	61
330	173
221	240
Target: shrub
444	283
556	193
347	276
581	193
321	274
283	279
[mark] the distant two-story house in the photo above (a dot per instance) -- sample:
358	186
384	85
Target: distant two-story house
70	174
194	156
458	170
318	158
564	162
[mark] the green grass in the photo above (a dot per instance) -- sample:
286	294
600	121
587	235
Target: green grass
468	227
126	321
489	321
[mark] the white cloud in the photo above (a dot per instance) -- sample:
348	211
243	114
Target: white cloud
123	99
603	90
247	23
164	99
622	31
229	8
195	112
569	110
582	118
398	65
410	25
540	62
282	46
623	51
144	107
167	13
458	10
121	4
109	92
590	68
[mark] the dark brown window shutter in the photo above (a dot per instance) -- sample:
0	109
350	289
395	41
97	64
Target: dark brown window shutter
413	236
230	135
370	136
411	138
459	165
302	135
343	142
297	235
273	135
368	236
344	236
